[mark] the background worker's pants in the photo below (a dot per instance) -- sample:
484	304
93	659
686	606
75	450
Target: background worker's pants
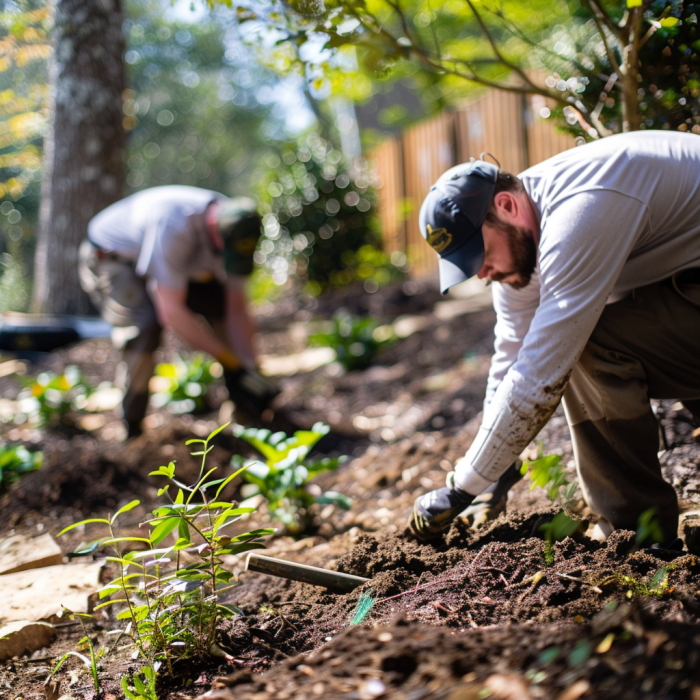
645	346
123	300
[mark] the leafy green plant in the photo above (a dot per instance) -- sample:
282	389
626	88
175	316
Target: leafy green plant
182	385
16	460
356	340
140	686
283	479
95	656
549	473
169	594
49	397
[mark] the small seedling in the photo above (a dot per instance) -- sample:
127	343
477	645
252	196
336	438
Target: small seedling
169	595
283	479
48	398
95	656
181	386
355	340
549	473
15	461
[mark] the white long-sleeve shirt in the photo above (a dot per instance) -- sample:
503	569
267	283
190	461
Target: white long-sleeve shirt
617	214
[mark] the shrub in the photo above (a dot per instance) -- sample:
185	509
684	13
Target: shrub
356	340
16	460
169	595
48	398
182	385
283	479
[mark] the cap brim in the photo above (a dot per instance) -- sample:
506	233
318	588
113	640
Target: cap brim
463	264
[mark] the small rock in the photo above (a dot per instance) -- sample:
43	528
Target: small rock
38	594
24	637
19	553
373	688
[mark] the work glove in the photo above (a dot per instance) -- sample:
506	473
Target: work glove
249	390
434	512
491	503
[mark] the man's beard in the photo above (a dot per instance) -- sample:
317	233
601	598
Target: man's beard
521	242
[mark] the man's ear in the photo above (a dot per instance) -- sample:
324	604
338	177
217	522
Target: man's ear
506	205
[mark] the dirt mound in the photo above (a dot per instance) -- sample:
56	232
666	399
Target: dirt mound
621	654
488	595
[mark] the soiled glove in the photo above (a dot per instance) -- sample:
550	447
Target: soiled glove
249	390
434	512
492	502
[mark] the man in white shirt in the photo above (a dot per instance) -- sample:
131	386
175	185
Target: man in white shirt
595	259
176	257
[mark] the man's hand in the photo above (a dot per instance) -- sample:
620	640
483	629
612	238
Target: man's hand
434	512
492	502
249	390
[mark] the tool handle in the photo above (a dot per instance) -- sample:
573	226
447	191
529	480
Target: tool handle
334	580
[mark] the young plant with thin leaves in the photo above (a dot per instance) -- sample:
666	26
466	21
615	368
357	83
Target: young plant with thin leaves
283	479
169	592
90	663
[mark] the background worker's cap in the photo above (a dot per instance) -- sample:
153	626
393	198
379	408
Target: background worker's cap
451	218
240	227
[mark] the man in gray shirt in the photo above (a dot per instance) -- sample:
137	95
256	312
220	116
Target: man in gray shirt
595	259
176	257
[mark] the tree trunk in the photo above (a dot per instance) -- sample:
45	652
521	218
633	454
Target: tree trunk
84	150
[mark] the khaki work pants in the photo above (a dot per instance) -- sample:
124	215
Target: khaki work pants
645	346
124	301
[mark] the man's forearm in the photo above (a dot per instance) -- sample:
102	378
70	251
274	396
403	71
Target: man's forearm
190	328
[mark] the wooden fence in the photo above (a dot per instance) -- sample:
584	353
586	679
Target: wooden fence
505	124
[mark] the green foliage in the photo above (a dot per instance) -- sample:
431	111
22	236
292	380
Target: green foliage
319	220
171	606
48	398
549	473
16	460
141	685
95	656
356	340
283	479
24	50
648	528
182	385
610	66
192	110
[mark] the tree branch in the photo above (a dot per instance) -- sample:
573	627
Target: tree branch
508	64
598	11
614	64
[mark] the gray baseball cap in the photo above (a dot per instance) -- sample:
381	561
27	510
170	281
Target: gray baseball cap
451	218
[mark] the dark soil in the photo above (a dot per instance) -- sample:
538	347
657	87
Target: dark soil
494	612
